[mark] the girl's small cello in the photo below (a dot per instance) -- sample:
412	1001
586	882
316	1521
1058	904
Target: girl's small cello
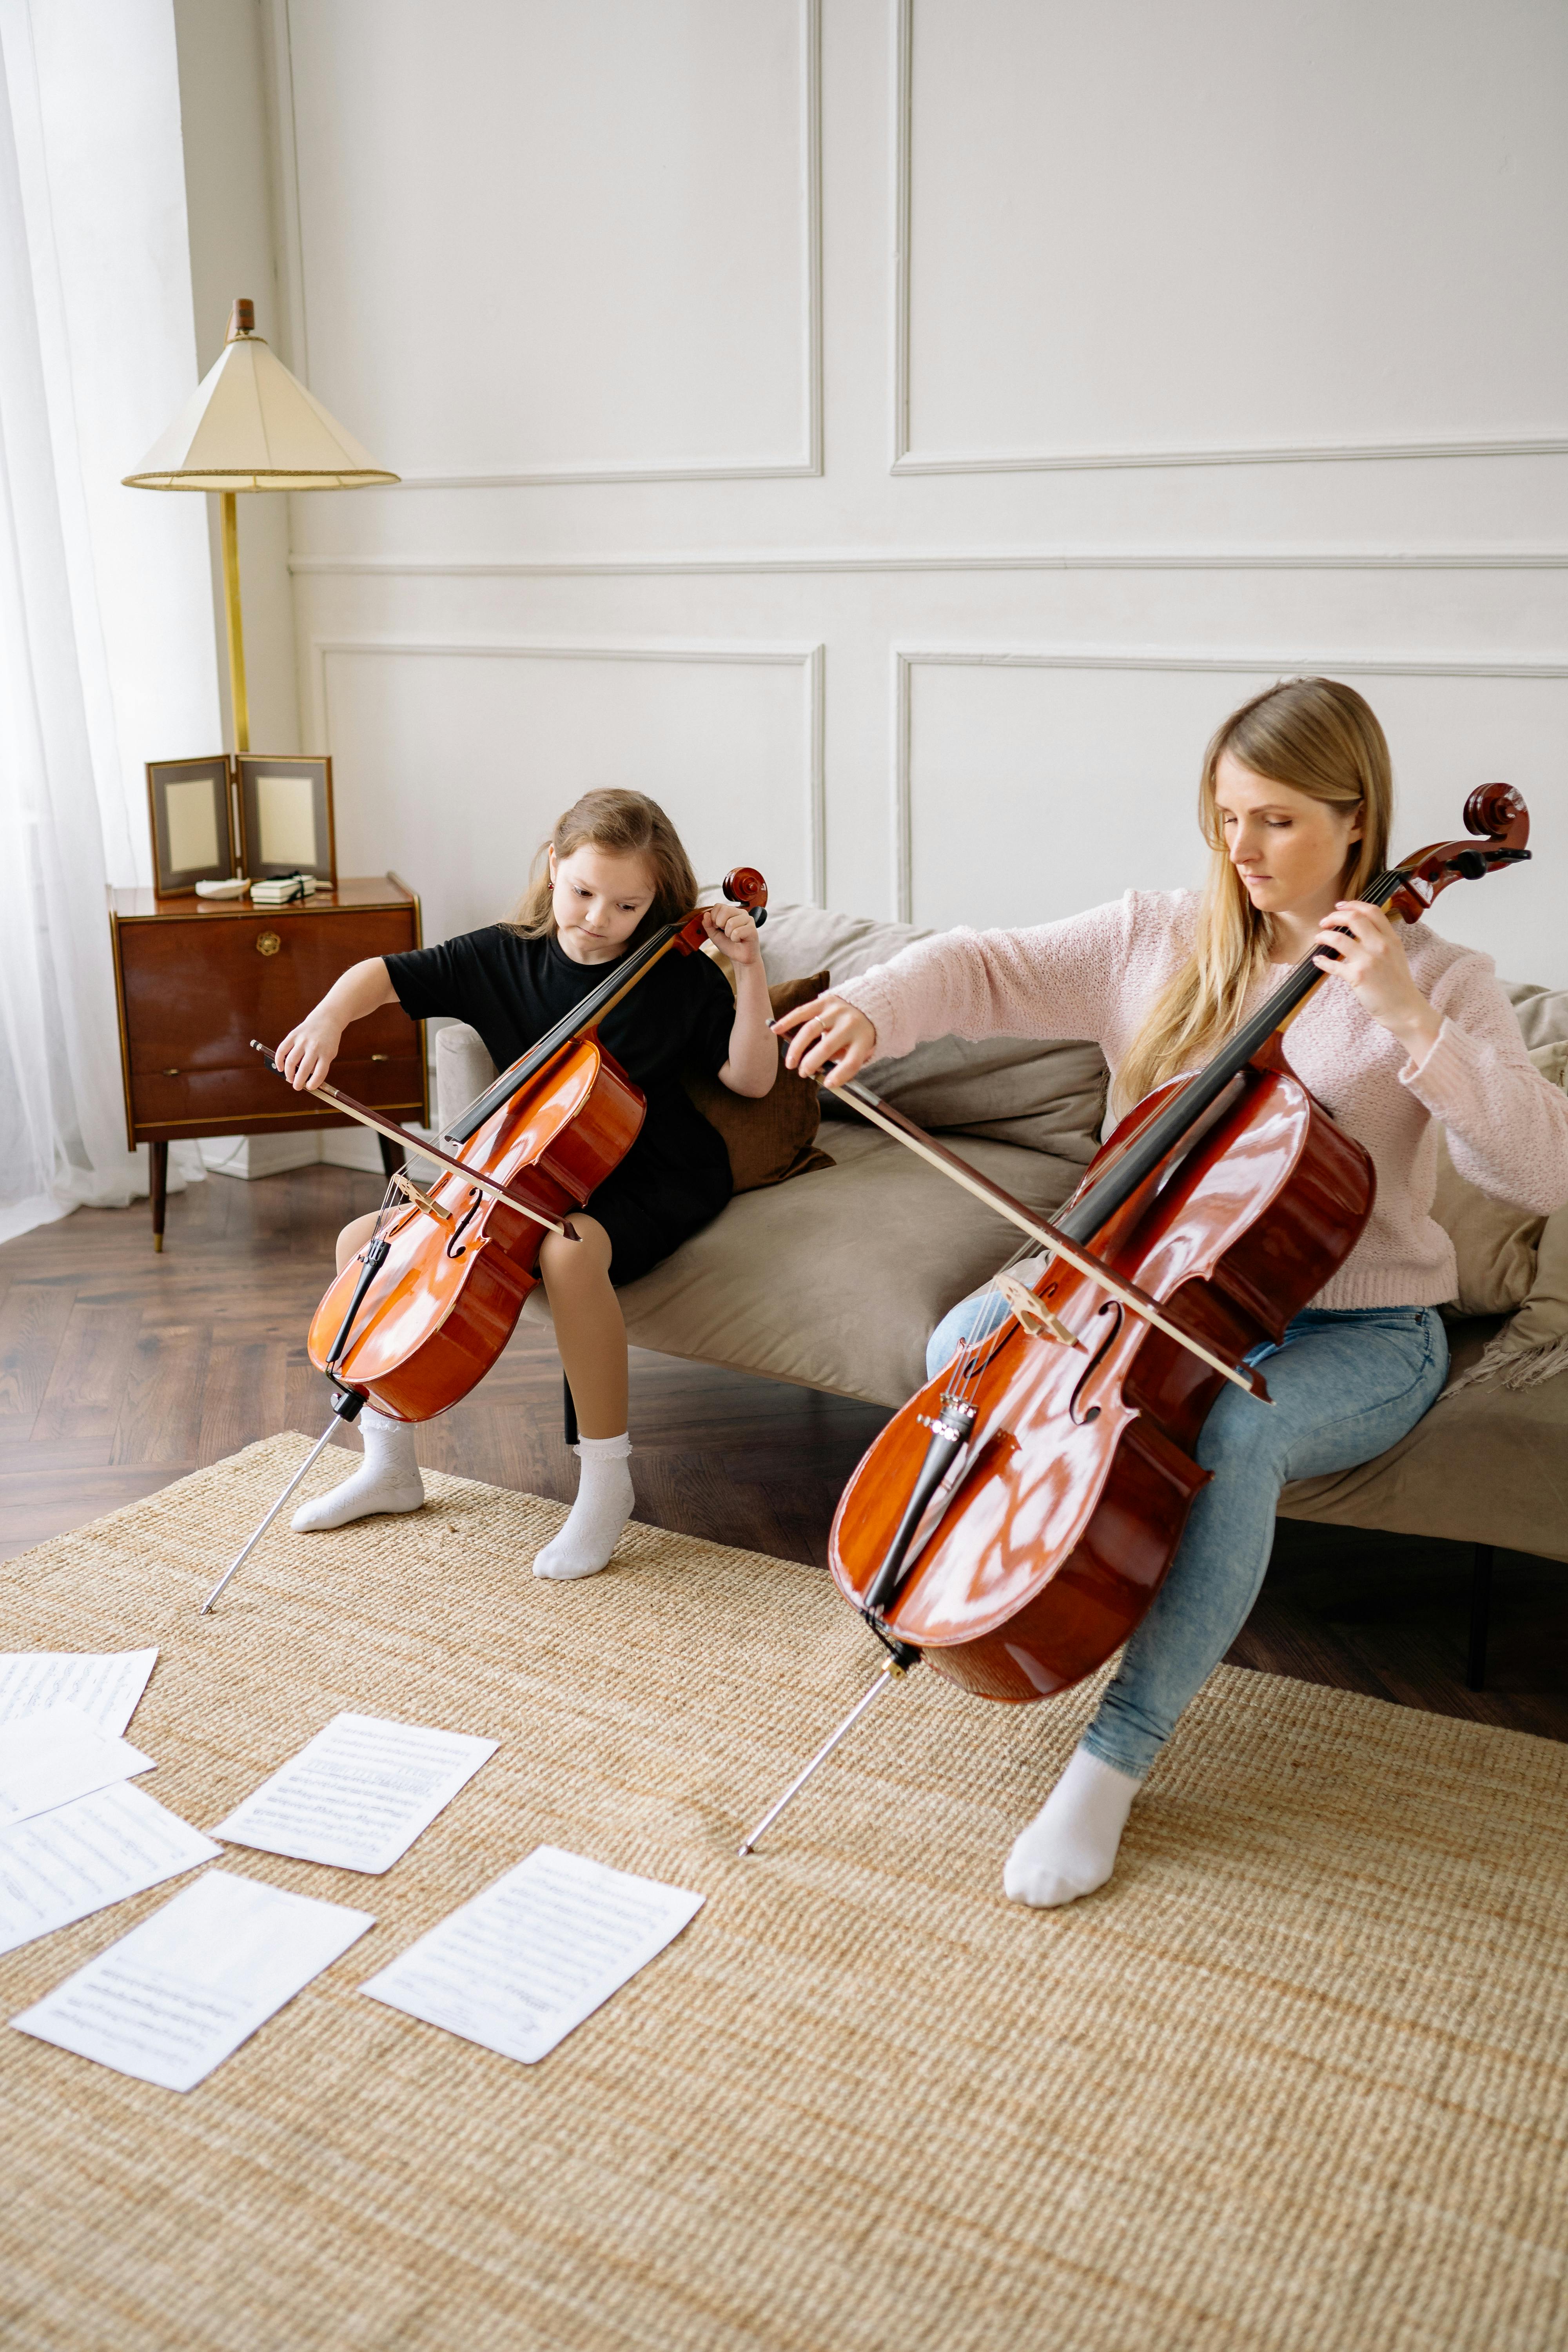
1015	1519
416	1320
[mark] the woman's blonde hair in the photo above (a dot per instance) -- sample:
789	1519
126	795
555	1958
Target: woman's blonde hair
624	824
1322	739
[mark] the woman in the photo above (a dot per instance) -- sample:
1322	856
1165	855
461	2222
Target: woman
1412	1033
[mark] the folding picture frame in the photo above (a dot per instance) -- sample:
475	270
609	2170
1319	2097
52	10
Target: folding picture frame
192	834
286	817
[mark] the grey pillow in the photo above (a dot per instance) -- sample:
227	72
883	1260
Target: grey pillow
1046	1095
1542	1013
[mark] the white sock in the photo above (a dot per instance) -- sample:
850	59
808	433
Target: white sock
1069	1847
387	1480
603	1507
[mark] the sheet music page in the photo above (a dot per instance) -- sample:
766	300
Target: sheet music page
179	1994
106	1684
47	1759
536	1953
358	1795
79	1858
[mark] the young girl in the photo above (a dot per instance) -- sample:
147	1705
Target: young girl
1411	1033
615	873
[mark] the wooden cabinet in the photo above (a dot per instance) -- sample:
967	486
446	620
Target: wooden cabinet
197	979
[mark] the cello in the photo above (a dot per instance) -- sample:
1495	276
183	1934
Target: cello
1013	1522
418	1316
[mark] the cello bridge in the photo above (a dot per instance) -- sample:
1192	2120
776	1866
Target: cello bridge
1032	1312
405	1184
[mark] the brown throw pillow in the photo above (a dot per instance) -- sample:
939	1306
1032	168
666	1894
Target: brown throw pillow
773	1136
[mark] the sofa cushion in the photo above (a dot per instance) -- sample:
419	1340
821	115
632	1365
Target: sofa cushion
1495	1241
1542	1013
838	1283
1043	1094
1485	1465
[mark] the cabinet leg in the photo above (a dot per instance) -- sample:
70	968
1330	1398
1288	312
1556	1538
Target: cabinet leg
1481	1617
392	1158
158	1188
570	1403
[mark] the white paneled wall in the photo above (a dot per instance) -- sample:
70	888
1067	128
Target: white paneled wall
554	242
894	432
724	737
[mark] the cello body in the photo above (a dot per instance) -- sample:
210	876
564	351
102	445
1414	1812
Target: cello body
1072	1494
448	1296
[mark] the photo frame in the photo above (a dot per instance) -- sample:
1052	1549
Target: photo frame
192	832
286	817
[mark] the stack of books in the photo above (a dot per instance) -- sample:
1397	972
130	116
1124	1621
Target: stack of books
281	887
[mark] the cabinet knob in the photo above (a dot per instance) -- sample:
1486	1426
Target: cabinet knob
171	1073
381	1057
268	943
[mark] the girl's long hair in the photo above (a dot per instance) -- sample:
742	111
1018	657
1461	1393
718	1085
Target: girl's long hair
624	824
1322	739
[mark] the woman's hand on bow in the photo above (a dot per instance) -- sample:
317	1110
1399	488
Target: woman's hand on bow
1369	959
827	1030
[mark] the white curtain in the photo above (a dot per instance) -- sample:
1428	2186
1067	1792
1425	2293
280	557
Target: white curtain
107	654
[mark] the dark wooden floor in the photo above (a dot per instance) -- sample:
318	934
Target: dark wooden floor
120	1371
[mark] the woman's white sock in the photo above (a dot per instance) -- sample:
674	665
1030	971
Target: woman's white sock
603	1507
1069	1847
387	1480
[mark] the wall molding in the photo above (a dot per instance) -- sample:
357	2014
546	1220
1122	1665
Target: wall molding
810	659
908	659
907	459
830	560
290	235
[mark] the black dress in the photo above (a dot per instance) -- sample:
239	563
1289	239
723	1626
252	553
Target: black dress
676	1177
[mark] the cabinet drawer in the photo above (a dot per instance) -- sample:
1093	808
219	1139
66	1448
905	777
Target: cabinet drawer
214	1101
196	993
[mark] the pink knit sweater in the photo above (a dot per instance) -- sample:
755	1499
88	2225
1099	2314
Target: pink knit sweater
1095	974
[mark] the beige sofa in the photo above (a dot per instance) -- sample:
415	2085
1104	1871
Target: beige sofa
844	1273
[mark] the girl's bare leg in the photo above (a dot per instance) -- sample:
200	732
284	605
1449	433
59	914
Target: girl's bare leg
592	1338
589	1331
388	1479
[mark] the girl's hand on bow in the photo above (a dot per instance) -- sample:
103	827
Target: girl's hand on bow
1372	963
308	1052
828	1030
735	932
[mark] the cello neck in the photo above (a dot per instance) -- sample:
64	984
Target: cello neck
1144	1153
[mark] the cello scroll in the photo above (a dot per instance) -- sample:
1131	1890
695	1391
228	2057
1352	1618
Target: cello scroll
1495	814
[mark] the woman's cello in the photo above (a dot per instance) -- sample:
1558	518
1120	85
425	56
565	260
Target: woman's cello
1014	1521
418	1316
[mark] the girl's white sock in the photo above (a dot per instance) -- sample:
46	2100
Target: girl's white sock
603	1507
1069	1847
387	1480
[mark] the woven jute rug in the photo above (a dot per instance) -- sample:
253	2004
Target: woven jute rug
1297	2078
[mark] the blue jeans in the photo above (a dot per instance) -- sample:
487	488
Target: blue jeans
1346	1383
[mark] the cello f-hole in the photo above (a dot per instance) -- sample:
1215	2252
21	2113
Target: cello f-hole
456	1247
1112	1307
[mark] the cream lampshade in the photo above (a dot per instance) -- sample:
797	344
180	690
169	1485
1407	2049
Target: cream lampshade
251	425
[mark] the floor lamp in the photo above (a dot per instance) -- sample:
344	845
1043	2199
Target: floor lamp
251	425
